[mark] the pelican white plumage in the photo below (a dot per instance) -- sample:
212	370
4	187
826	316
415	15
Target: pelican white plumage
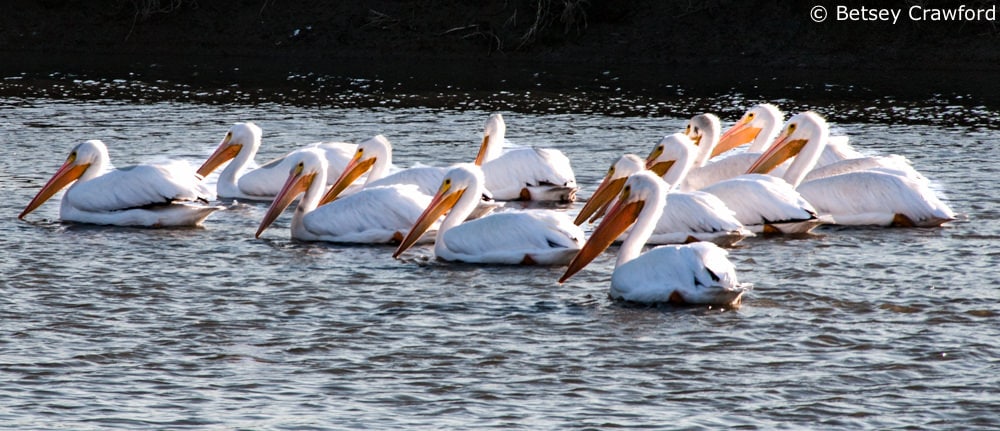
698	273
878	196
838	149
241	144
379	215
511	237
758	126
151	195
374	156
537	174
694	216
762	203
895	163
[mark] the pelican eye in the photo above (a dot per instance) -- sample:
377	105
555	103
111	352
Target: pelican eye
696	131
791	128
447	182
660	148
687	129
229	134
750	116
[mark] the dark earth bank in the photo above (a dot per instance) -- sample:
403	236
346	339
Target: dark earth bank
765	49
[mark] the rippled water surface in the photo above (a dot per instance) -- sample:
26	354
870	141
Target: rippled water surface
209	328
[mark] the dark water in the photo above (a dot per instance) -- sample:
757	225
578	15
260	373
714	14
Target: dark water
209	328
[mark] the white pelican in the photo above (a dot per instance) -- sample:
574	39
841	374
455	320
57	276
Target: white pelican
153	195
512	237
762	203
379	215
878	196
698	273
758	126
374	156
241	144
694	216
538	174
893	162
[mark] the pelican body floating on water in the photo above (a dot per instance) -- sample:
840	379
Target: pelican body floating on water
379	215
541	237
530	174
762	203
241	144
698	273
758	126
880	196
150	195
695	216
374	156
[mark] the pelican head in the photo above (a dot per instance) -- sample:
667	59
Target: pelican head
369	152
493	135
640	188
672	157
701	125
799	131
703	129
756	125
240	136
464	177
612	184
86	160
307	165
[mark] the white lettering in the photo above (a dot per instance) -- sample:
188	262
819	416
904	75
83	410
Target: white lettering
920	13
863	13
915	13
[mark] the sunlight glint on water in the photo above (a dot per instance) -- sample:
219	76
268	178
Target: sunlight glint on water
110	328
